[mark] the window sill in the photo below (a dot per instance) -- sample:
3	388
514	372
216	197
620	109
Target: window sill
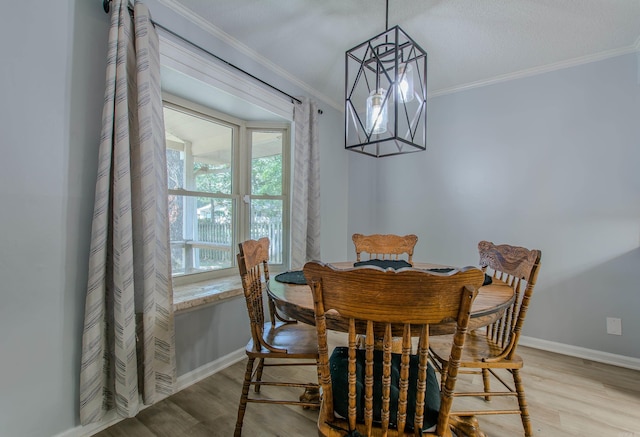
196	295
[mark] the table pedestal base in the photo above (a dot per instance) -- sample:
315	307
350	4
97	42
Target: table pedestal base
466	426
311	395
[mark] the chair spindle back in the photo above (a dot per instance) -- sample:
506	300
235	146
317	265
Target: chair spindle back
253	265
518	267
382	304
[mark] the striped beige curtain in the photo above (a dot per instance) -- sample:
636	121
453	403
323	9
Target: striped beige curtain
305	204
128	349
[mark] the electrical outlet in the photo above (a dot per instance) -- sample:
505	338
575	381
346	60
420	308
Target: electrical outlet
614	326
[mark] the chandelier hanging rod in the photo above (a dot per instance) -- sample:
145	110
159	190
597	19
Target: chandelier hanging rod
386	21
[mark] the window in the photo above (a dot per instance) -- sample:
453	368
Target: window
227	182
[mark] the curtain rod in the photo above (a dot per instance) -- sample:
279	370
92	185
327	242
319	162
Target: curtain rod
106	6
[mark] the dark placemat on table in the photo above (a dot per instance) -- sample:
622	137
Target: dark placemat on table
444	270
487	278
297	276
293	277
384	263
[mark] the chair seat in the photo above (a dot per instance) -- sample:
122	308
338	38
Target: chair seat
299	339
477	347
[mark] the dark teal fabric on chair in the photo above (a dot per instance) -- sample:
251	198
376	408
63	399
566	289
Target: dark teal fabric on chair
339	363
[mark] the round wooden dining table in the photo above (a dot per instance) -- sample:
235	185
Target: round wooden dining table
296	302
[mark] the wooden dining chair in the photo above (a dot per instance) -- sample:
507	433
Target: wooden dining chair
385	246
377	392
289	342
494	349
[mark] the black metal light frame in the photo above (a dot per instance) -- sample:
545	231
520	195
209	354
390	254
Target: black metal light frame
380	63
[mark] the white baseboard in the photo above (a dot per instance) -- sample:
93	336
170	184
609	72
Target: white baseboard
209	369
110	418
183	381
580	352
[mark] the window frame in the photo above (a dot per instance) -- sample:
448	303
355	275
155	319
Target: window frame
241	183
285	128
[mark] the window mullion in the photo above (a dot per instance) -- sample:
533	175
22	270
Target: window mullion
190	224
243	171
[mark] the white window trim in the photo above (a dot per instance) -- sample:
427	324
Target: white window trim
242	153
182	59
211	72
287	152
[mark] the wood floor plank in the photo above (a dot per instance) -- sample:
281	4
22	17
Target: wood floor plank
166	419
127	428
567	397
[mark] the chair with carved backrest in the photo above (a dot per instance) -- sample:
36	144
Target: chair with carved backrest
277	339
385	246
374	391
384	250
488	351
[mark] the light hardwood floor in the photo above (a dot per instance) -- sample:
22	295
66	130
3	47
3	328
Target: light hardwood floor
567	396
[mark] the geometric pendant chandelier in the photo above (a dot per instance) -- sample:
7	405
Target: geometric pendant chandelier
386	95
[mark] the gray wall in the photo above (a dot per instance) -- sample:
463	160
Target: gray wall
547	162
52	87
574	132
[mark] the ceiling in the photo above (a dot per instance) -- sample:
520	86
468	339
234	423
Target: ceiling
469	43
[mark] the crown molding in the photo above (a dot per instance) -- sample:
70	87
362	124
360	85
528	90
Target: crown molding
242	48
237	45
539	70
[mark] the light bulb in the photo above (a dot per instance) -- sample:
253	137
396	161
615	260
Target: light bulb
405	82
377	112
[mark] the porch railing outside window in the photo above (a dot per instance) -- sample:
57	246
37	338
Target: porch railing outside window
215	249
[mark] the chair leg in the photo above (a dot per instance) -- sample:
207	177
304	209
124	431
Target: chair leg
486	381
524	411
312	394
259	374
465	426
444	368
243	399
